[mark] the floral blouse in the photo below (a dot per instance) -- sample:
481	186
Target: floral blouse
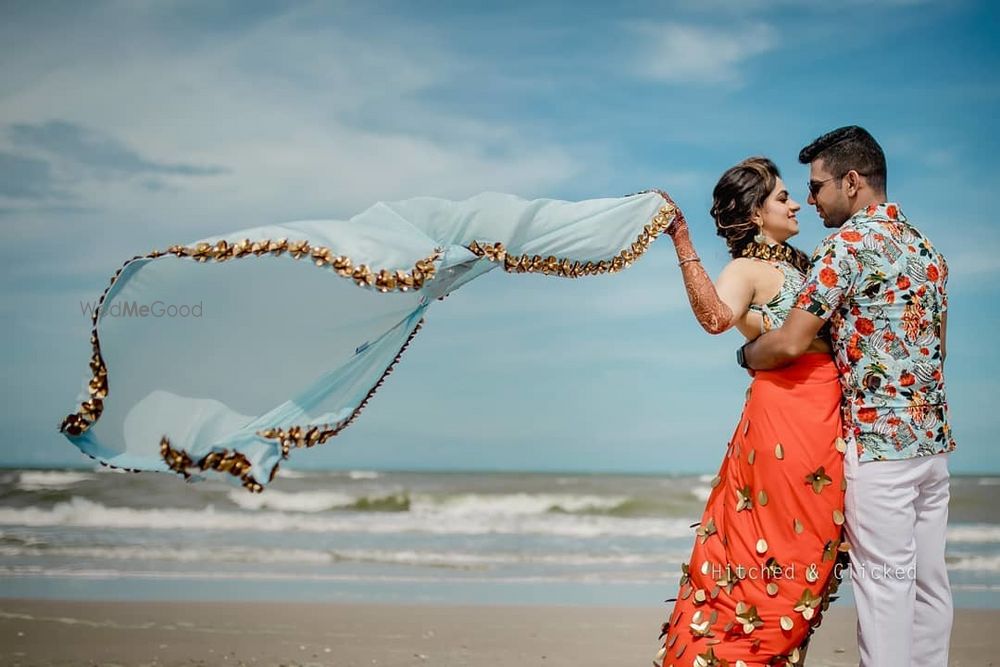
881	284
774	313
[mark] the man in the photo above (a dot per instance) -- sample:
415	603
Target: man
881	284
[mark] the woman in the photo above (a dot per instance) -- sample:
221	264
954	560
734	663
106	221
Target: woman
763	564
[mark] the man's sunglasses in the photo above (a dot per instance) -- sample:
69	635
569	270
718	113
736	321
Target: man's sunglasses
816	186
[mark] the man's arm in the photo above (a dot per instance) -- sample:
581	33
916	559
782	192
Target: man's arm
834	271
786	343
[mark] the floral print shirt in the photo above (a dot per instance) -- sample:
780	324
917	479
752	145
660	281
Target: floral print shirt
881	284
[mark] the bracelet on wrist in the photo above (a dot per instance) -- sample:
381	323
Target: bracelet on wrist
688	259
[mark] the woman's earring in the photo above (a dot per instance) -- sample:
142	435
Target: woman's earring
759	237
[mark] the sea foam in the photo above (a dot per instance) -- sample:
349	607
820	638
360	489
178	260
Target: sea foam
80	512
37	480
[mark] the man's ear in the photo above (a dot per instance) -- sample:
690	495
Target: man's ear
853	183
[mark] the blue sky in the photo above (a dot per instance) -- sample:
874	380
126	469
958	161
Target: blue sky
131	126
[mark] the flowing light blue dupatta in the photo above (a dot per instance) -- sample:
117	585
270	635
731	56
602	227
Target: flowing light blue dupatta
226	354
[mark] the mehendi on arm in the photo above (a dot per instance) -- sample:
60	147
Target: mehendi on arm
712	313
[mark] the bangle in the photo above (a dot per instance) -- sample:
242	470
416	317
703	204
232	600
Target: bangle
688	259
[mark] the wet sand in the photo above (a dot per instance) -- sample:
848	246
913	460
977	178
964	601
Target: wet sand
158	634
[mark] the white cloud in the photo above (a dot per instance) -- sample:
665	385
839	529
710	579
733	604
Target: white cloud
683	53
307	119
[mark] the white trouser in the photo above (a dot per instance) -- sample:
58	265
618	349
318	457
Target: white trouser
897	516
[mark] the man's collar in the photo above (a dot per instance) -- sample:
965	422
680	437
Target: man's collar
886	212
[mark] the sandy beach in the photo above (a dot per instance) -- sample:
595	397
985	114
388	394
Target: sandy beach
164	634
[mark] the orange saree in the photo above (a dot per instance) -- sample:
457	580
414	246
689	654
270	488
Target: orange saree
765	558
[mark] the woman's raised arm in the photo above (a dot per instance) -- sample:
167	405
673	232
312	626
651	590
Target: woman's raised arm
717	308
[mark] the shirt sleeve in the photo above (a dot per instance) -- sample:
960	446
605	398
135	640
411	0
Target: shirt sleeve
835	270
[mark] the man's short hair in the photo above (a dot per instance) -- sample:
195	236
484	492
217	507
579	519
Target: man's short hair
848	148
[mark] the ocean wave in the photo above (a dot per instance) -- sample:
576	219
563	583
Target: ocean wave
657	580
20	540
458	505
303	501
319	501
702	493
39	480
974	563
80	512
105	470
289	473
514	504
214	554
395	502
603	578
974	533
256	555
462	560
975	588
364	474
